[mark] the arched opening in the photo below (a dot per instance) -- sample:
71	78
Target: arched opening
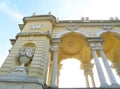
73	45
70	74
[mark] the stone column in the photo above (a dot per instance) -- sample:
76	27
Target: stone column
113	81
54	67
55	45
58	73
94	41
88	72
93	81
87	81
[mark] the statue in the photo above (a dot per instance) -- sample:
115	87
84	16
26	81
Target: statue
25	56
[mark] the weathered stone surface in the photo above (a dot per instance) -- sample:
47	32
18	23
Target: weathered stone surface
20	82
40	33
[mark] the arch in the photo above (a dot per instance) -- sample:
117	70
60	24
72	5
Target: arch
32	45
70	78
100	32
60	34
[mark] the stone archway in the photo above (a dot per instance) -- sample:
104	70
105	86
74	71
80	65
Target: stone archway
74	45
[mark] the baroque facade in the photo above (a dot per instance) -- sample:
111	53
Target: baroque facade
44	41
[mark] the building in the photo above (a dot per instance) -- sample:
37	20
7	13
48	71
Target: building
44	41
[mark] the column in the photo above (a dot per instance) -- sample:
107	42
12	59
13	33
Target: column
103	82
55	44
93	82
87	81
54	67
113	81
88	72
58	71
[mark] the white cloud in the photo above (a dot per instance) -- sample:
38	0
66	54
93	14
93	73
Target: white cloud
11	12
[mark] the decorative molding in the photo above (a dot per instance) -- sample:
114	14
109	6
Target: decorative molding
89	23
34	34
107	27
72	28
36	26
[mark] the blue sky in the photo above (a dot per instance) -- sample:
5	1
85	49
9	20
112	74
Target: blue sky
12	12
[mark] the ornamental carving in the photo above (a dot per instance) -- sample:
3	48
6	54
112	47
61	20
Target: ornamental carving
72	43
72	28
107	27
26	55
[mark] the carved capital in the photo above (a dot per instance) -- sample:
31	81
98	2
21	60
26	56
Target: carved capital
87	68
55	42
116	66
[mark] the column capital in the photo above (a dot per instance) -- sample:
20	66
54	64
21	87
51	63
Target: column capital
95	43
116	66
87	68
55	42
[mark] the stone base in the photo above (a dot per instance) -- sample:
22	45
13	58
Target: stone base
15	82
19	71
53	86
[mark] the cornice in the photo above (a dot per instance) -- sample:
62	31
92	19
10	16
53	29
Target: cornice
21	26
34	34
40	18
88	23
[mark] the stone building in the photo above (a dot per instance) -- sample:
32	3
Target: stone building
44	41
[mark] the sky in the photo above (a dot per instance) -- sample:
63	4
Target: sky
13	11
